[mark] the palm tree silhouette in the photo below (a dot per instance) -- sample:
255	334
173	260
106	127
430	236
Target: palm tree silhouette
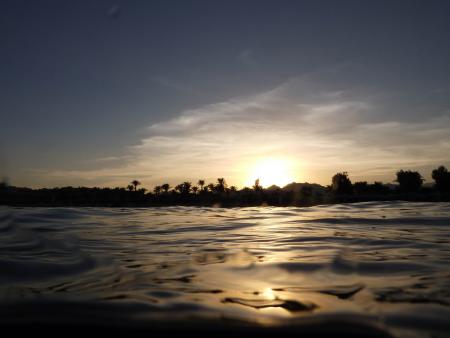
186	187
165	187
211	187
221	184
135	183
201	183
179	188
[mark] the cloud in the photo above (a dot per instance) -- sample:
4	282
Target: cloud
324	131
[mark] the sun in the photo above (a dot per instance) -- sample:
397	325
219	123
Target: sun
278	171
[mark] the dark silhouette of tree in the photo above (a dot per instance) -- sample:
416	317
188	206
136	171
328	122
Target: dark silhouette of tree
341	184
135	183
165	187
409	181
179	188
379	188
157	190
221	185
305	195
441	177
302	194
186	187
257	186
201	183
365	189
361	188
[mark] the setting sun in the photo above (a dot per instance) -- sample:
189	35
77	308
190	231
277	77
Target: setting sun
270	171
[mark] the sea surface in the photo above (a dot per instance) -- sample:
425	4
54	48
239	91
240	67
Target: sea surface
381	268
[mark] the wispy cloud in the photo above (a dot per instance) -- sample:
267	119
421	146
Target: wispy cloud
323	131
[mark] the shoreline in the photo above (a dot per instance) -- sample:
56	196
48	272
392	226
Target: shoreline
346	200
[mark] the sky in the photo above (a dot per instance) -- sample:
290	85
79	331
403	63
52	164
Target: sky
97	93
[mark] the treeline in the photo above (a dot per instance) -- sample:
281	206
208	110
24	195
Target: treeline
409	187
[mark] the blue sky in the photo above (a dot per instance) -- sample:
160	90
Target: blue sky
101	92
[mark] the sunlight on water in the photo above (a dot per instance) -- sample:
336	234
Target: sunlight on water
385	264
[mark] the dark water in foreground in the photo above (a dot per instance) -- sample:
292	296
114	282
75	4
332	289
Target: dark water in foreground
385	266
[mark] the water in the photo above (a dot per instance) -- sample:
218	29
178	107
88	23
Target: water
381	268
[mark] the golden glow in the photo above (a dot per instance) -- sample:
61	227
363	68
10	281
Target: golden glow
268	294
278	171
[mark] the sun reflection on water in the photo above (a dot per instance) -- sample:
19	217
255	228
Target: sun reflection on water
269	294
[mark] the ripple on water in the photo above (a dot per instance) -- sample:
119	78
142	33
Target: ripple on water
372	264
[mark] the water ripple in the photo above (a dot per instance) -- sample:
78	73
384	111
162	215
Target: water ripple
385	265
